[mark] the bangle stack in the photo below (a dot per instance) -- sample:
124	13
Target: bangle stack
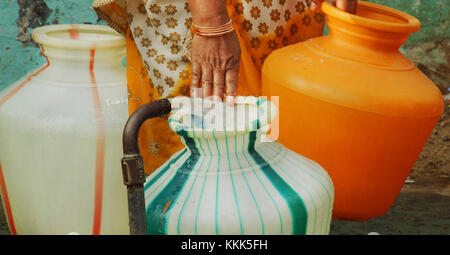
213	31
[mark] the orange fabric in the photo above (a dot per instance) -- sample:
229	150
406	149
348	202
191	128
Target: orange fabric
140	92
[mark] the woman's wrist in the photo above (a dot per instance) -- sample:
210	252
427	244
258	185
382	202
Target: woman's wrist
208	13
211	20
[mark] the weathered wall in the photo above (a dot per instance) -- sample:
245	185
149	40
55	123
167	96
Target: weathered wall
18	54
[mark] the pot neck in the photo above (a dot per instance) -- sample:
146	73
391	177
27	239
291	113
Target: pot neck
100	58
373	30
223	136
75	52
229	144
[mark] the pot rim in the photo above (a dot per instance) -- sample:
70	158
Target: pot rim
411	24
259	111
43	36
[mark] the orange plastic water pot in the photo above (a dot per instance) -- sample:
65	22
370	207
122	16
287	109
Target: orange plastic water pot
353	103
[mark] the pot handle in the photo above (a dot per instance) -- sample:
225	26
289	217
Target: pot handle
133	163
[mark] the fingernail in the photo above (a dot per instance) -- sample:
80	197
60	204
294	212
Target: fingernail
230	100
196	92
209	98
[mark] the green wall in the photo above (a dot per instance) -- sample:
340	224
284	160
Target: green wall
18	54
433	14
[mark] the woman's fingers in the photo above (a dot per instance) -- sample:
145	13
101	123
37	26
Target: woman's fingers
207	81
214	84
345	5
231	78
196	80
315	4
219	84
214	58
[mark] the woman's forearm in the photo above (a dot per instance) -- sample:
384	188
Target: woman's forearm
208	12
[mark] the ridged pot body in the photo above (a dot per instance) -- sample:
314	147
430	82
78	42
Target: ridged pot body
60	133
238	184
353	103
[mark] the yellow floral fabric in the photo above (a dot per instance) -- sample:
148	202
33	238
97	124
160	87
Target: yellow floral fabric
158	52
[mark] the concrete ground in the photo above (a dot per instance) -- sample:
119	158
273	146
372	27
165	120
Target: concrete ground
422	208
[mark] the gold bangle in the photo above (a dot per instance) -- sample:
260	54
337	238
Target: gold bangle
213	31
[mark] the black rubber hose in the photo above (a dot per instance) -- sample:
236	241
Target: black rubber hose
131	131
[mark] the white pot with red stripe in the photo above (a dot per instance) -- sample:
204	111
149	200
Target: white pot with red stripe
60	136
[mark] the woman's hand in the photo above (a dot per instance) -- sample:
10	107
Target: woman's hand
345	5
215	64
215	61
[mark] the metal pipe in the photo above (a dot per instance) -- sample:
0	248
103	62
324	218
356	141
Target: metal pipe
134	123
133	163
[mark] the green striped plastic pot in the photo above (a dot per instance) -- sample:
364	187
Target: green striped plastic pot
230	179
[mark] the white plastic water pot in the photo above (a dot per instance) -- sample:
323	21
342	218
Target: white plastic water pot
60	136
230	179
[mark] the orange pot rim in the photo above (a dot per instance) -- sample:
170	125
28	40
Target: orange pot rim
411	24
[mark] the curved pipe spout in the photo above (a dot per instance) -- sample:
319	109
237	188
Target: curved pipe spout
134	123
133	163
